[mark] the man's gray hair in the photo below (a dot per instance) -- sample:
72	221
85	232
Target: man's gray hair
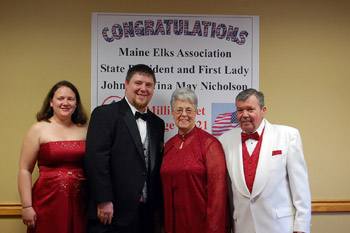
184	94
244	95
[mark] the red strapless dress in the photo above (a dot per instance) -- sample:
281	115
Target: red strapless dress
59	194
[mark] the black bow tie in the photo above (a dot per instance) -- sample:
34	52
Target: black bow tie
245	136
143	116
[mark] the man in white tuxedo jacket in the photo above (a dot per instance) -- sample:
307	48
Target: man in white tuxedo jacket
269	188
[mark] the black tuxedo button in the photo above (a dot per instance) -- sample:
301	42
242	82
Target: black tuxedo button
144	174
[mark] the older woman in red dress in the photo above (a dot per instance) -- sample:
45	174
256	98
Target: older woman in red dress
193	174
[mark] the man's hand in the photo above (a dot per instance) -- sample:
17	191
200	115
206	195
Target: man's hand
105	212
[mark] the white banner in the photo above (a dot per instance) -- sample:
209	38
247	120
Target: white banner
216	56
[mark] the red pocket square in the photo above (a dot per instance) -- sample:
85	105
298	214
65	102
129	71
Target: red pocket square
276	152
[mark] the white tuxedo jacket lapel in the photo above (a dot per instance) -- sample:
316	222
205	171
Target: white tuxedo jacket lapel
264	164
234	156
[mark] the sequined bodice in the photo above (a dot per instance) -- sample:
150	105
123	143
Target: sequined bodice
61	153
59	194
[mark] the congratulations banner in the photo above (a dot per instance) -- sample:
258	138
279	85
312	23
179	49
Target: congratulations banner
216	56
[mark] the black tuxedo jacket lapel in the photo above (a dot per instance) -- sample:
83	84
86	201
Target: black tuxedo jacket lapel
130	122
152	140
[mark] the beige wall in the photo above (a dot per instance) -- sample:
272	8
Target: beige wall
304	62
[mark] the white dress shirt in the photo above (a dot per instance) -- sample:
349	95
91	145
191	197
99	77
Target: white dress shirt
141	124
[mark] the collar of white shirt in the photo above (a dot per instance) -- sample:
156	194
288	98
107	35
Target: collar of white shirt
133	109
260	128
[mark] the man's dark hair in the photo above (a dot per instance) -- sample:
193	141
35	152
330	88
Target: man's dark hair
140	68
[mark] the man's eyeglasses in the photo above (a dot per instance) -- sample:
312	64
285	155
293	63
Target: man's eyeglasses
188	111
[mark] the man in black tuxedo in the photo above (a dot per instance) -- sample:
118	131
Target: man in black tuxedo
124	149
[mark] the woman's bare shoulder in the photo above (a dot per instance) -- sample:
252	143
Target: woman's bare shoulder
38	126
83	130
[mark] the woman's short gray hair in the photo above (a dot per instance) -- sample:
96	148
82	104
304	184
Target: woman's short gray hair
184	94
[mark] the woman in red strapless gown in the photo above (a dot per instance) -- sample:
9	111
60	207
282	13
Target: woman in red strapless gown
57	202
59	195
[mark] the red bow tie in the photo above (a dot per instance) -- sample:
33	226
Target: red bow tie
245	136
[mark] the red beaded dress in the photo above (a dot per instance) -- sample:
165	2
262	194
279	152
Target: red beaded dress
194	184
59	195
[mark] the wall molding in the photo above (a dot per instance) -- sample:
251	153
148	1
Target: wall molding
10	210
330	206
318	206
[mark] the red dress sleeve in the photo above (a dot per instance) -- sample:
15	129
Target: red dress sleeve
217	211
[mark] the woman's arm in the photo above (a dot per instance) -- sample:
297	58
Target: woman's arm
28	157
217	219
